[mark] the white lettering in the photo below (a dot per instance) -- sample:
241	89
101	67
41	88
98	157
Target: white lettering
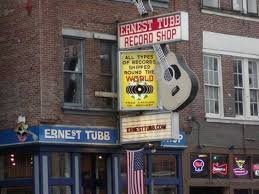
62	134
98	135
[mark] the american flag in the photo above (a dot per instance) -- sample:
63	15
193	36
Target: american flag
135	167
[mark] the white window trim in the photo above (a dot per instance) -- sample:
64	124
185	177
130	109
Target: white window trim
211	6
239	119
221	103
211	12
69	104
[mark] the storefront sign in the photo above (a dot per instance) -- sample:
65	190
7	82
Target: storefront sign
175	143
198	165
138	85
256	170
152	127
62	135
219	168
159	29
241	170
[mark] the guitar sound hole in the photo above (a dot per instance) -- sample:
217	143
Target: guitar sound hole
176	71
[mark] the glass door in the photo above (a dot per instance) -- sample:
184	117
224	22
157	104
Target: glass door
94	173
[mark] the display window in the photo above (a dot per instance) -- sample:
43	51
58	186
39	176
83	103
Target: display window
164	166
219	166
60	164
200	167
255	167
94	169
16	165
241	166
165	189
17	190
162	174
242	191
60	189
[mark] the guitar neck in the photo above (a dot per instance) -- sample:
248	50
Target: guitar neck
140	6
160	55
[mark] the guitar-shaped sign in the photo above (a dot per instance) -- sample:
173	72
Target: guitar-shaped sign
178	85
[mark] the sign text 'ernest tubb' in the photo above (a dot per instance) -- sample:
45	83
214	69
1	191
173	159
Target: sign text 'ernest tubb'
148	31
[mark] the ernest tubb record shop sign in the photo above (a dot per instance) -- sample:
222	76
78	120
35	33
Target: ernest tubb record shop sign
153	30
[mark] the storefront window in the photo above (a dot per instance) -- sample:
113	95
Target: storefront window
165	189
200	165
124	166
256	167
60	164
125	190
241	166
242	191
163	166
16	165
60	189
219	166
94	173
16	190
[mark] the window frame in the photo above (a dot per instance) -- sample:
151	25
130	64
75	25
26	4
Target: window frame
82	53
220	88
207	6
246	89
244	7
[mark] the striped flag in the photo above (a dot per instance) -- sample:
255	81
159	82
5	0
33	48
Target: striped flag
135	168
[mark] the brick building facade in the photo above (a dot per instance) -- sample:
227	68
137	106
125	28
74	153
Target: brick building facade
49	48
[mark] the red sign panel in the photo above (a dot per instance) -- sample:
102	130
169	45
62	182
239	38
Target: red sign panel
154	30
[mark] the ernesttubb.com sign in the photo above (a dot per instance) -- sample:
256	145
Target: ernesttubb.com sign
159	29
152	127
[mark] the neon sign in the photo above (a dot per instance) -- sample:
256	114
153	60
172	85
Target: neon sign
219	169
198	165
240	171
256	169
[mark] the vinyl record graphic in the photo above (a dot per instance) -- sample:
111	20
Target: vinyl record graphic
139	89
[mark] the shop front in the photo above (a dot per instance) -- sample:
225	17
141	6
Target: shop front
75	160
224	173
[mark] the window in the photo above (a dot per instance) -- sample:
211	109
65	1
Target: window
73	71
160	173
60	164
16	190
255	167
242	191
212	82
165	189
239	88
219	166
245	6
246	85
108	72
164	166
60	189
210	3
241	166
200	167
16	165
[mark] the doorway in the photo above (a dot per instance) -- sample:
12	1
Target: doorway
94	173
206	190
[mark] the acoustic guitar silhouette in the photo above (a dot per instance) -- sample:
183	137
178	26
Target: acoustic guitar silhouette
177	84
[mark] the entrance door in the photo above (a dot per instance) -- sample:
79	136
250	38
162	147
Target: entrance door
94	173
206	190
